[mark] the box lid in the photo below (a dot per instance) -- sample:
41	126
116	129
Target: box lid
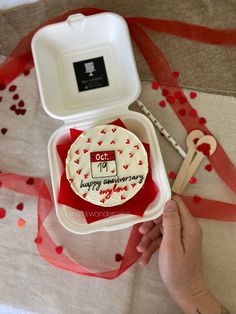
85	66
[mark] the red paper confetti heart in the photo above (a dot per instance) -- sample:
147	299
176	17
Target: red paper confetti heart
155	85
59	249
193	113
118	257
182	112
172	175
12	88
165	92
4	131
202	120
2	213
204	148
193	180
21	103
162	103
21	223
18	111
2	86
26	72
196	199
175	74
13	107
193	95
170	99
38	240
30	181
22	111
182	100
20	206
15	97
208	167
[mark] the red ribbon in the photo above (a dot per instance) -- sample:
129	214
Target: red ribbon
21	59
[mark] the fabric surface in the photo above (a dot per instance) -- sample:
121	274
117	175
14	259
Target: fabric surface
28	283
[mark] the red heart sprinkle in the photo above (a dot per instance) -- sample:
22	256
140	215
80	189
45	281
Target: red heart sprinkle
137	147
59	249
84	195
193	180
30	181
103	132
15	97
196	199
12	88
77	152
120	151
118	257
204	148
78	171
127	141
2	213
76	161
165	92
125	167
2	85
208	167
202	120
155	85
113	130
131	155
85	175
3	131
193	95
170	99
85	151
193	112
172	175
99	143
20	206
175	74
26	72
122	197
103	200
38	240
182	112
71	180
13	107
21	103
133	185
178	94
112	171
112	142
88	140
182	100
162	103
140	163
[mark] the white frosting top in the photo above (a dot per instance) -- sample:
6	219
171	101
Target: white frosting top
107	165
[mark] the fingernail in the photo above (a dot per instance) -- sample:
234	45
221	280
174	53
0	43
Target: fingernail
171	206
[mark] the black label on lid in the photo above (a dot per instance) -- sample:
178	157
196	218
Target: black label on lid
90	74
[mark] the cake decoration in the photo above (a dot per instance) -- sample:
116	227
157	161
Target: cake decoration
106	165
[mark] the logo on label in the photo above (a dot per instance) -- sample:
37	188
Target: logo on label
89	68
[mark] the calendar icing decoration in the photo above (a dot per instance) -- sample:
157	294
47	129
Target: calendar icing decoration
106	165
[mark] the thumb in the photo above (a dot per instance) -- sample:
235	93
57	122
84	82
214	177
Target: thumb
171	225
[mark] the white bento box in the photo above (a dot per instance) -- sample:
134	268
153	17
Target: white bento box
103	42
